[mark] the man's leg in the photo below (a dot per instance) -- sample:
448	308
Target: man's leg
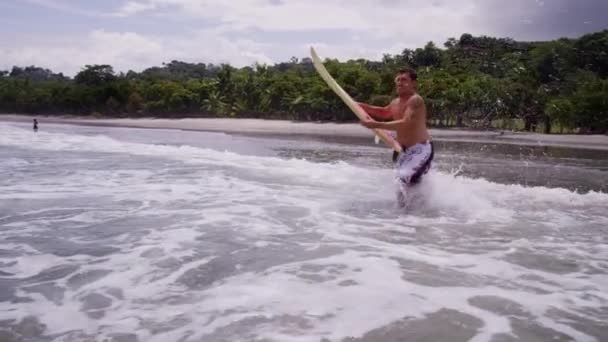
403	196
404	174
411	164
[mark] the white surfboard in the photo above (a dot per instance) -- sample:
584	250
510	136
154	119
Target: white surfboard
352	104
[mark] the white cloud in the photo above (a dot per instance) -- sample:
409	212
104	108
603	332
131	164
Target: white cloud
241	32
65	7
407	23
128	50
391	17
380	26
341	51
132	7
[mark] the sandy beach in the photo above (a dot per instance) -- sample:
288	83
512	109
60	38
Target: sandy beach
345	130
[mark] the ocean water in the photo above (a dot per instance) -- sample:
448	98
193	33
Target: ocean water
122	234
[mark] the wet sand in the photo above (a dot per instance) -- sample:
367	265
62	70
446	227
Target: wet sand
292	128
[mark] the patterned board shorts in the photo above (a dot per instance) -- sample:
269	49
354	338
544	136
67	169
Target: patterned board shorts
413	162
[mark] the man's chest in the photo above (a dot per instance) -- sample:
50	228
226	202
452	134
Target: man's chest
397	109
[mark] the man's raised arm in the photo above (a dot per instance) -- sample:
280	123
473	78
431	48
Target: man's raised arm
410	111
375	111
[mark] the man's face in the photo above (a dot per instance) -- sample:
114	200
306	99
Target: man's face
404	83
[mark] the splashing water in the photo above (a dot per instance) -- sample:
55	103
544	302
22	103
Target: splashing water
133	235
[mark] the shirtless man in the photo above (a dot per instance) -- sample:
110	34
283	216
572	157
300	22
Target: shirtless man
408	113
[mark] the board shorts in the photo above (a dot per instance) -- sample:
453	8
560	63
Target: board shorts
413	162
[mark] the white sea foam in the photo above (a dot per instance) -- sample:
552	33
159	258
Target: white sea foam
287	249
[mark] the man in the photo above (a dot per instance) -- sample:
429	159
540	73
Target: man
408	114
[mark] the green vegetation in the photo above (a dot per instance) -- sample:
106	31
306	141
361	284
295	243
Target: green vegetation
478	82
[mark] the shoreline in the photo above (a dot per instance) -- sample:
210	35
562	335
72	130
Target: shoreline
329	129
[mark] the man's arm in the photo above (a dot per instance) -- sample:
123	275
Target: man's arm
410	110
391	125
375	111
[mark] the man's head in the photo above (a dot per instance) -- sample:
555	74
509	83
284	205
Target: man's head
406	81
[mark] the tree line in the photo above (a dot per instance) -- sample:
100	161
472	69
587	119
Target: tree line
481	82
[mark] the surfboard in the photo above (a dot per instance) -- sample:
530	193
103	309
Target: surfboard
352	104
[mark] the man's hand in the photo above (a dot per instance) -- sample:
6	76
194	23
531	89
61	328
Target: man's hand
369	123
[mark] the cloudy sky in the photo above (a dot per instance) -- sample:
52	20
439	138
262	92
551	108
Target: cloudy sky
64	35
